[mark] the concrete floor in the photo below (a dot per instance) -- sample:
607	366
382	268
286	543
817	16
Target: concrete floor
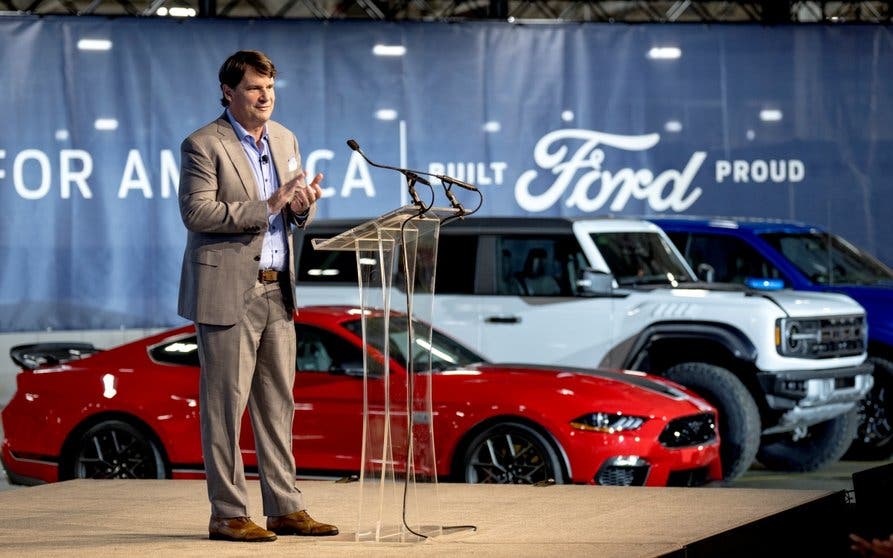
155	518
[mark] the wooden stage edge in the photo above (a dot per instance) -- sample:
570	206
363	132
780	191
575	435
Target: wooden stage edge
154	518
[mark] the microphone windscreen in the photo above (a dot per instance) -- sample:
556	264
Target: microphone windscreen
353	145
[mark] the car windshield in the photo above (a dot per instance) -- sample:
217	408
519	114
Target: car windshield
828	259
445	352
641	258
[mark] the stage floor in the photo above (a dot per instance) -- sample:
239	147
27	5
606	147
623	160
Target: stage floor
169	518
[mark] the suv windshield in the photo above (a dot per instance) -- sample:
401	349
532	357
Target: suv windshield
641	258
445	352
828	259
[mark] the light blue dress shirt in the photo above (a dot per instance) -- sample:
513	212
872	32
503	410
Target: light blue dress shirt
275	250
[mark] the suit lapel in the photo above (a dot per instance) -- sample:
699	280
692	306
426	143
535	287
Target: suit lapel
236	154
280	150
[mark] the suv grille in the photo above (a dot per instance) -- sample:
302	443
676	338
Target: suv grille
689	431
822	337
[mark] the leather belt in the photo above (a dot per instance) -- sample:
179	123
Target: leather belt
268	275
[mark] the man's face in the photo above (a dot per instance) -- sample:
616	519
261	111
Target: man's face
252	100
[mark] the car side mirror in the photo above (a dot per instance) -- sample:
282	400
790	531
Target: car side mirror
594	283
706	272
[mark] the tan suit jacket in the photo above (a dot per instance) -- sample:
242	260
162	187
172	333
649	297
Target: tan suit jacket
226	220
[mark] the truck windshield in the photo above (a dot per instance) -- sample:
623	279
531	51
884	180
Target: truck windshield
641	258
828	259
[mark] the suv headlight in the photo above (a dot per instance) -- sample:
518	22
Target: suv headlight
608	422
821	337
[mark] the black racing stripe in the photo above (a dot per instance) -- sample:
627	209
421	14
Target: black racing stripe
634	379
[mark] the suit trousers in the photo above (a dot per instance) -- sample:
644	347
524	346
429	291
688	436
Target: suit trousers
250	363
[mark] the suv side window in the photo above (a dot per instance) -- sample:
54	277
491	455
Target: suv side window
325	266
732	259
456	257
537	265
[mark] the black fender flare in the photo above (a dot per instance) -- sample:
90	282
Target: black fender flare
733	339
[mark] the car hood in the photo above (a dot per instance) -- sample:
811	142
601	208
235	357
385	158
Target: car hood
632	386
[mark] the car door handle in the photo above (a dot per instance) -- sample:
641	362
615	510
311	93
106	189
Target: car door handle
503	320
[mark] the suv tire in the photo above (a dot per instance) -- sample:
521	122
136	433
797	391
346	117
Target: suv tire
823	444
874	435
739	418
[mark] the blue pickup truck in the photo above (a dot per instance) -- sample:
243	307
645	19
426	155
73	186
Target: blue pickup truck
763	253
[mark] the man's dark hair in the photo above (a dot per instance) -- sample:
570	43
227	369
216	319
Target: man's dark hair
233	69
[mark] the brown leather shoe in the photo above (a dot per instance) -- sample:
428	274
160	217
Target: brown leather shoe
299	523
240	529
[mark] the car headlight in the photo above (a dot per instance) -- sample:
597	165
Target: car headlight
608	422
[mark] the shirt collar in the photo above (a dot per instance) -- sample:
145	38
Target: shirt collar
242	132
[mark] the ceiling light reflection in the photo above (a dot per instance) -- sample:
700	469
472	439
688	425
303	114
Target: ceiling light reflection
673	126
664	53
492	126
106	124
386	114
94	44
770	115
388	50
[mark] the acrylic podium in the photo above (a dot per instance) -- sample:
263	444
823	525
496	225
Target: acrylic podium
398	480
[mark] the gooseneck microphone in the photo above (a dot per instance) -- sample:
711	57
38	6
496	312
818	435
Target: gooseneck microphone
456	182
411	176
442	177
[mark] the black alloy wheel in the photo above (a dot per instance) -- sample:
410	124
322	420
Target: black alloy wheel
114	449
874	435
512	453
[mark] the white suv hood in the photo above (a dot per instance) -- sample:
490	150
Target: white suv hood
808	304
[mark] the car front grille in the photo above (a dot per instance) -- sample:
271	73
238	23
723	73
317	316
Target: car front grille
623	471
688	477
689	431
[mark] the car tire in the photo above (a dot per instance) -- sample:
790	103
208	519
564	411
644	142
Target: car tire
114	449
511	453
822	444
874	433
739	417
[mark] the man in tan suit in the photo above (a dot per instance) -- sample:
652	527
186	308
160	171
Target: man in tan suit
241	191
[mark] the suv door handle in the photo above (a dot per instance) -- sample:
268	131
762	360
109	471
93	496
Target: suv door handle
503	320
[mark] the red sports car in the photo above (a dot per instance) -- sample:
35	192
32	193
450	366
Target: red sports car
132	412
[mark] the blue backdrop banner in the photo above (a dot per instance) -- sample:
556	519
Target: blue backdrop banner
781	121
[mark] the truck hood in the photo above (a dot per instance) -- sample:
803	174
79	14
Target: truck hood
796	304
806	304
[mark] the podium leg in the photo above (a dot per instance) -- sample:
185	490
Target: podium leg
398	492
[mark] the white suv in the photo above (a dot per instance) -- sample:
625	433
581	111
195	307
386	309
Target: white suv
785	369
